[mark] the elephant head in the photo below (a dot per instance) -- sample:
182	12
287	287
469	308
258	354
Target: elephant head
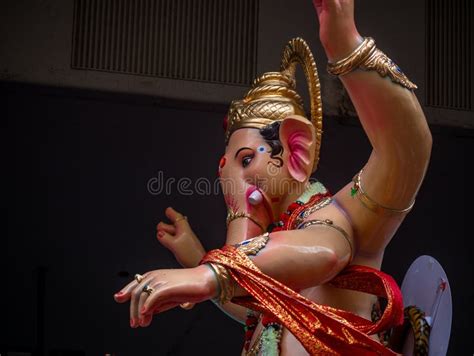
271	147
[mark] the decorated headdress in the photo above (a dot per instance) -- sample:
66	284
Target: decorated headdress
273	96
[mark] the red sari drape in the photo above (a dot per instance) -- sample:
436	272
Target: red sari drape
321	329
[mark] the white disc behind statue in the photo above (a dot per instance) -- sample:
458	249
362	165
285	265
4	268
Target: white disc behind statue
423	288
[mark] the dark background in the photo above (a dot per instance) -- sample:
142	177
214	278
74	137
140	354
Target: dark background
79	207
81	221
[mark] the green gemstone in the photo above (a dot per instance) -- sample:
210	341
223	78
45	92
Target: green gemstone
353	191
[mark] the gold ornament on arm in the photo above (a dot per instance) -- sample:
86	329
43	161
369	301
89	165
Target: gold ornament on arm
225	283
231	216
252	247
358	191
367	57
385	67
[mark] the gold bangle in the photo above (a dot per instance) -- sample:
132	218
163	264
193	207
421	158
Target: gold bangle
254	245
371	204
367	57
329	223
353	60
231	216
225	282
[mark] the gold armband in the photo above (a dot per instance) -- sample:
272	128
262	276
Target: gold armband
367	57
371	204
231	216
225	282
329	223
254	245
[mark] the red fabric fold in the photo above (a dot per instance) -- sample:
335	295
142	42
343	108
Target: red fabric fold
322	330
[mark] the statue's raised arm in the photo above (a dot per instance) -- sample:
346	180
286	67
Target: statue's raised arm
392	118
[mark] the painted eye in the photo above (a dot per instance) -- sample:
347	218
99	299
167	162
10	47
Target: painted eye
246	161
261	149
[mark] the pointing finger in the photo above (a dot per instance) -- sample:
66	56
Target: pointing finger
124	294
176	218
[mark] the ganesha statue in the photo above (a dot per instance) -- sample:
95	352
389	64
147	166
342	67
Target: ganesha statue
300	267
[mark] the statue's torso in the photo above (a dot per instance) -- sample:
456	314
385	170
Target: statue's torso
356	302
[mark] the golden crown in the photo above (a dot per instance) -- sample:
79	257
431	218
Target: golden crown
273	95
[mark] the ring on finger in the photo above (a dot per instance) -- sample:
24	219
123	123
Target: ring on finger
147	289
181	218
138	278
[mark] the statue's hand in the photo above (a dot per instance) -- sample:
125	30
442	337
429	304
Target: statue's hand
180	239
337	29
169	289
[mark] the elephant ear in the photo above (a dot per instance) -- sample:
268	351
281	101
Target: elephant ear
298	138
